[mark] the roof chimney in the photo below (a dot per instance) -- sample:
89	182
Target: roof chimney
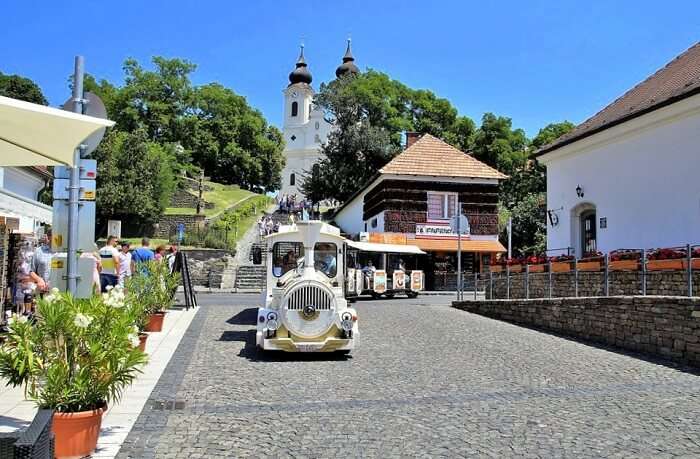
411	138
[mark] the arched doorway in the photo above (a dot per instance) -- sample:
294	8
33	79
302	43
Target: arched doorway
584	235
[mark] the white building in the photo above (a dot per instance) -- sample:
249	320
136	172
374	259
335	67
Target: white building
628	176
305	129
19	189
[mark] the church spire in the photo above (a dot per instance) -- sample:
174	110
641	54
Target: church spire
348	66
301	73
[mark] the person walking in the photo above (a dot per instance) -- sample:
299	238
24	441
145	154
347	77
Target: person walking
143	253
40	270
125	263
160	253
109	277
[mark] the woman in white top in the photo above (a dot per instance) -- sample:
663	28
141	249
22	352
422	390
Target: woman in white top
124	263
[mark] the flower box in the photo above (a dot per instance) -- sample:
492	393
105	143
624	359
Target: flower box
676	264
497	268
536	268
623	265
588	266
561	266
516	268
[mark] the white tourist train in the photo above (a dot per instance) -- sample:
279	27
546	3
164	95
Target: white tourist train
304	308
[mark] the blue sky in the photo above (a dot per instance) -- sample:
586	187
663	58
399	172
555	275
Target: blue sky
534	61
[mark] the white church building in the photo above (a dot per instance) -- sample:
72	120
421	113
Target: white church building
305	129
628	177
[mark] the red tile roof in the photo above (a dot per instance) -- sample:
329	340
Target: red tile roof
432	157
679	79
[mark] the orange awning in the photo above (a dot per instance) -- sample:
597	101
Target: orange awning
450	245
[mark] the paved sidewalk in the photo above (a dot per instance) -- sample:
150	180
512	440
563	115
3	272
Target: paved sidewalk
16	412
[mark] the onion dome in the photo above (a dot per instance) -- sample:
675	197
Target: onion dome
301	73
348	66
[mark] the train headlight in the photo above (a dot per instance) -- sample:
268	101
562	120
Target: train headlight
271	316
272	321
346	321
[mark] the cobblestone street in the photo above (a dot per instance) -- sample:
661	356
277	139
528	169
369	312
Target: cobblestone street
427	380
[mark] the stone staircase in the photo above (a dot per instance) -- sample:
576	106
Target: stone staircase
251	277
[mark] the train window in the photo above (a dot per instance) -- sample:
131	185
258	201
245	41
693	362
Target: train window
325	258
286	256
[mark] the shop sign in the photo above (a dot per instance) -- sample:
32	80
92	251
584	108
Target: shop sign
399	280
435	232
380	281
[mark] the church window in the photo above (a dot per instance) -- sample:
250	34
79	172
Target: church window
292	179
295	108
317	125
309	108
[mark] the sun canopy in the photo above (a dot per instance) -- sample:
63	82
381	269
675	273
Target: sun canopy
35	135
389	248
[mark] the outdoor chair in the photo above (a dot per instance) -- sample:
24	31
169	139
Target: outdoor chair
34	442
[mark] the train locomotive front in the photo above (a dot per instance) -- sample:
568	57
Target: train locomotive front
304	303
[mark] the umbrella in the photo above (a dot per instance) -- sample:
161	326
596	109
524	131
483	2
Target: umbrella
36	135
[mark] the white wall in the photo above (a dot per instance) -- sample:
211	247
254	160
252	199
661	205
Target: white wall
349	219
643	176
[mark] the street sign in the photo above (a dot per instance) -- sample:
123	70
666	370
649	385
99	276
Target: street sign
93	106
61	191
460	225
114	228
86	229
88	170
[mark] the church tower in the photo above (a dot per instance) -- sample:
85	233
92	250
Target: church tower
304	129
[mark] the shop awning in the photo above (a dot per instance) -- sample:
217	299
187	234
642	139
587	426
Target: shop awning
35	135
387	248
450	245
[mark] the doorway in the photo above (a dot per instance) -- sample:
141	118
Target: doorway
584	236
588	232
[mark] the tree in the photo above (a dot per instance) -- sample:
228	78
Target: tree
550	133
498	145
528	226
21	88
211	126
370	113
134	179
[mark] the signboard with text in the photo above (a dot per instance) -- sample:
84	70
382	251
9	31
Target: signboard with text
432	231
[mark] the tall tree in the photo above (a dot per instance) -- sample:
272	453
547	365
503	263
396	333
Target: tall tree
497	144
134	180
21	88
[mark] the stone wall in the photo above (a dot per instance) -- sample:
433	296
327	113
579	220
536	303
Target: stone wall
184	198
663	326
211	268
669	283
167	225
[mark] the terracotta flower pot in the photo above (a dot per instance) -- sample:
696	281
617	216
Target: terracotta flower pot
516	268
536	268
142	341
76	433
497	268
155	321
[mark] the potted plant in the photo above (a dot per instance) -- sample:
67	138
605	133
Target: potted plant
498	265
561	263
537	263
153	286
666	259
76	357
624	260
590	261
514	265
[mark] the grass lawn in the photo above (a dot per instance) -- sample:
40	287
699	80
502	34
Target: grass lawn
222	196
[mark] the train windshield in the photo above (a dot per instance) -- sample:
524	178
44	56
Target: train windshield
326	258
286	256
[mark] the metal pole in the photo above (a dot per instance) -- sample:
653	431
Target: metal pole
527	281
575	277
606	286
476	279
459	259
74	187
643	261
689	260
510	240
549	271
490	284
507	282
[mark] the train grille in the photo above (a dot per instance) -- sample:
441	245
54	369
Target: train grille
309	295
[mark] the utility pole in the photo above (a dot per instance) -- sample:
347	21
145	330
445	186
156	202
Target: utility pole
74	188
510	239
